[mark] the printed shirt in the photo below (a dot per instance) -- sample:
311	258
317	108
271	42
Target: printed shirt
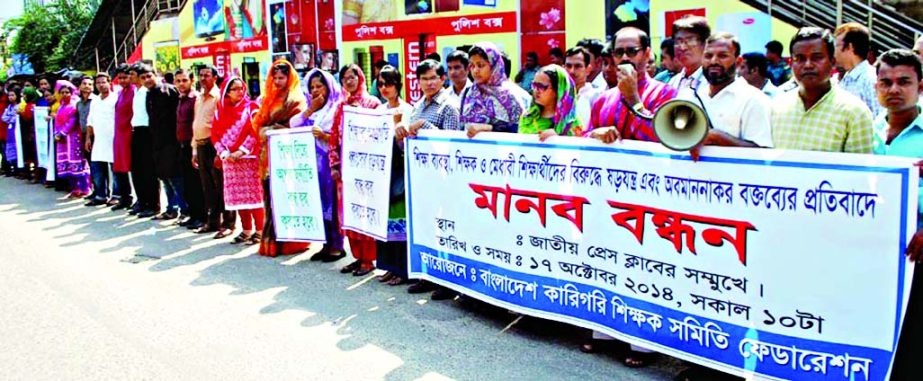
440	113
779	73
908	143
860	81
740	110
838	122
609	110
139	116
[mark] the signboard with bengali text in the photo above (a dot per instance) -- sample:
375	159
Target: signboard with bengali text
767	263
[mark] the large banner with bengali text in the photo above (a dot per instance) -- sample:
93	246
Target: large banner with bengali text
758	262
294	188
368	140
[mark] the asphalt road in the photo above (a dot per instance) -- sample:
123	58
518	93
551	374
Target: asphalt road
89	294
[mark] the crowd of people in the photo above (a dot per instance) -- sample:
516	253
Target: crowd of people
129	140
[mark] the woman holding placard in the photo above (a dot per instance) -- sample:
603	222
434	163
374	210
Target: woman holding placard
325	94
362	246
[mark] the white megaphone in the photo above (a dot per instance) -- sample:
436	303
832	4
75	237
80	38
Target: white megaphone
680	124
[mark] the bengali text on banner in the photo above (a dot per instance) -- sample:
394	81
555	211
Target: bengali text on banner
296	201
368	139
779	264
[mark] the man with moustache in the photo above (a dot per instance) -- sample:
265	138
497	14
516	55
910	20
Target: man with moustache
689	34
594	75
578	60
614	115
739	113
457	65
819	116
899	132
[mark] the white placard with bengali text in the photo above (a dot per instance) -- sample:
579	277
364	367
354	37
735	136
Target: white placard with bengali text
368	138
767	263
295	192
43	140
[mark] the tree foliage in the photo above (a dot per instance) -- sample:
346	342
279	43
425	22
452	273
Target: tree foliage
49	34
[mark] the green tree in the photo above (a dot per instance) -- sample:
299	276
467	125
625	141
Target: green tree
49	33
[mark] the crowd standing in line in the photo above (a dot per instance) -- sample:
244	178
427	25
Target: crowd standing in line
203	140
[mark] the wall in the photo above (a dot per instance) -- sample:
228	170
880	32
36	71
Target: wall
777	30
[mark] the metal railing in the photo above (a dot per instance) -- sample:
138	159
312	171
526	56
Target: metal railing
890	28
150	11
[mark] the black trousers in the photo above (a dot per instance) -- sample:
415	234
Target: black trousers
392	256
147	187
213	188
192	191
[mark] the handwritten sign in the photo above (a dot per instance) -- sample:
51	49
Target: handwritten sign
368	136
20	156
296	200
786	265
42	137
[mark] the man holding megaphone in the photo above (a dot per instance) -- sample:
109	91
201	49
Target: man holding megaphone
616	114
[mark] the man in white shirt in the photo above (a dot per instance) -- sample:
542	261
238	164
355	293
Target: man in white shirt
576	62
457	65
689	35
100	136
859	78
146	185
739	113
754	69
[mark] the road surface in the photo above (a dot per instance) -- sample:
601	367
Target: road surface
90	294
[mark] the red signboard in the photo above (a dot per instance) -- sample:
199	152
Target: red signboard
501	22
222	62
247	45
670	16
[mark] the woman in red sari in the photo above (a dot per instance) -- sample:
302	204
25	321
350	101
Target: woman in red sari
361	245
282	99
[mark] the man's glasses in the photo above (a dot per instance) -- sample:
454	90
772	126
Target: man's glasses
631	52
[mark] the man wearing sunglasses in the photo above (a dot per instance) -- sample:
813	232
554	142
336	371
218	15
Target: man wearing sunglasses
614	115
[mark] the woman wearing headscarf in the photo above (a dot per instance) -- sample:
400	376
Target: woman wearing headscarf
391	255
71	165
238	148
362	246
489	105
552	111
9	117
282	100
325	95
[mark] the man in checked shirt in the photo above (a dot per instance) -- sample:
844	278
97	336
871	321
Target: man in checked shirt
433	111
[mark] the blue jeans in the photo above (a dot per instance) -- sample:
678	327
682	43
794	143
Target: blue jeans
174	189
99	172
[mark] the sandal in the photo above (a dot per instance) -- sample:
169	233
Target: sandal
350	268
223	233
636	359
396	281
242	237
363	270
386	277
255	239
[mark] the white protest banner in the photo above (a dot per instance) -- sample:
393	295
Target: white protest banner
293	184
759	262
42	137
368	140
20	159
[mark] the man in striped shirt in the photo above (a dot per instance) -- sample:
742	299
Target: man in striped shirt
613	114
